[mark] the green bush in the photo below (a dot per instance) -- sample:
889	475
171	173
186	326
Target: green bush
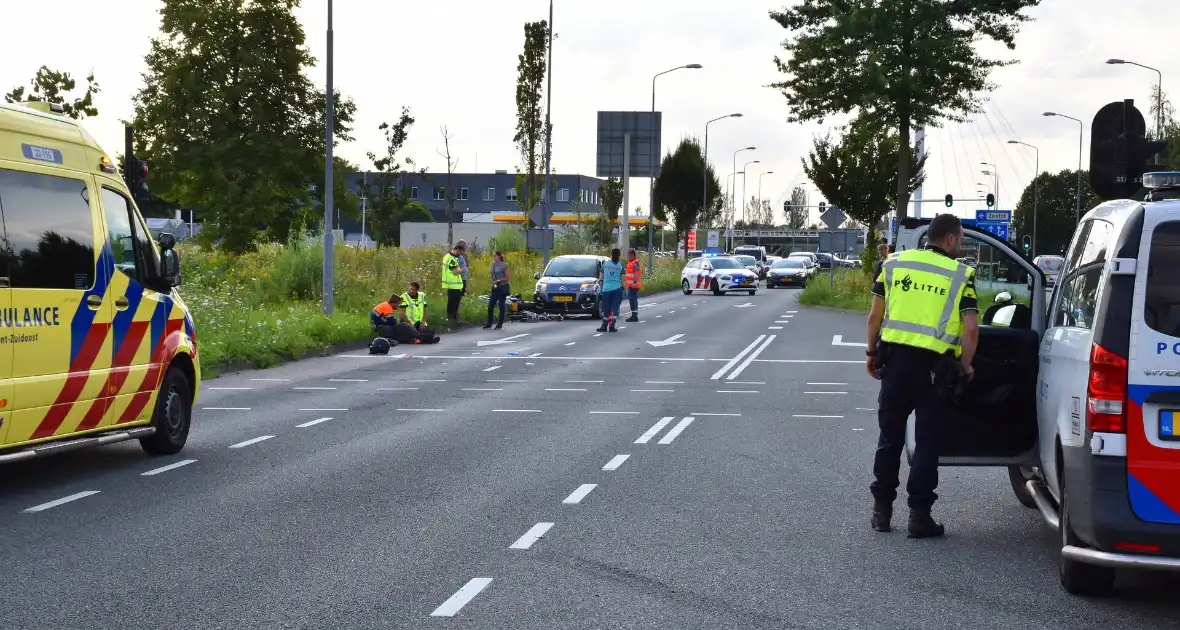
851	291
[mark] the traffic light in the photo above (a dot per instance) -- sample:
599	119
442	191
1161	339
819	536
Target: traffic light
1027	242
991	200
1119	150
135	174
950	200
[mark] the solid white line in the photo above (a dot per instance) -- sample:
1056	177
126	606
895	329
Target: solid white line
754	355
807	361
323	410
827	383
256	440
420	410
732	362
270	380
456	602
576	496
663	382
564	389
585	381
543	358
228	389
348	380
429	380
156	471
397	389
619	413
311	423
864	409
615	462
695	413
800	415
533	535
225	409
483	389
516	410
747	382
315	389
571	343
825	392
493	368
507	380
656	428
774	328
736	391
653	391
676	430
858	429
61	501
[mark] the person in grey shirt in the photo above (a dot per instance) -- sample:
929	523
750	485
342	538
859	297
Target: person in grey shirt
463	268
500	289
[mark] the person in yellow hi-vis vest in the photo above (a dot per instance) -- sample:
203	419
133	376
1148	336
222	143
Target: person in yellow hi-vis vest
923	330
452	280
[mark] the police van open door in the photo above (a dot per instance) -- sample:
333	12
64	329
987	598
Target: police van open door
994	422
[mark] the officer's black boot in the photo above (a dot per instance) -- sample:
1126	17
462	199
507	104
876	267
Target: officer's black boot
922	525
882	515
634	317
602	328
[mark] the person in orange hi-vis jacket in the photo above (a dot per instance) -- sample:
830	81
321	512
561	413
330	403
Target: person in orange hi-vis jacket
633	282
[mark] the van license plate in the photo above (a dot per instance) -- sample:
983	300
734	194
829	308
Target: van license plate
563	298
1168	428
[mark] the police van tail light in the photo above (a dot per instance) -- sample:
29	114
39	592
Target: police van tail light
1106	392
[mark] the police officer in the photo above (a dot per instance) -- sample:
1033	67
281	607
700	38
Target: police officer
452	279
922	333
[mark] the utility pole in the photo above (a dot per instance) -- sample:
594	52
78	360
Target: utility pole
329	253
364	207
548	133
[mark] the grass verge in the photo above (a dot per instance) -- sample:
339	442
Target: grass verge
852	291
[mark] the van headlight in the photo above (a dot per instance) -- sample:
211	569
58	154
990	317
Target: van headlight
540	288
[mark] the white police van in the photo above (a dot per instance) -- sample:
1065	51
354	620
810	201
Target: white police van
1081	400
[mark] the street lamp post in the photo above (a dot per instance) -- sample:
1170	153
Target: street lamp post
1036	177
1159	93
760	200
744	169
995	173
329	189
733	190
1081	129
705	161
651	207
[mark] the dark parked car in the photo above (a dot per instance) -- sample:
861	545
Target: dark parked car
787	272
569	285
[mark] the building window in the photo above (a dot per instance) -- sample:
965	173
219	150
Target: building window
462	194
489	194
563	195
510	194
440	193
414	192
582	195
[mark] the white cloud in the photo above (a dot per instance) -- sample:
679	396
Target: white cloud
454	63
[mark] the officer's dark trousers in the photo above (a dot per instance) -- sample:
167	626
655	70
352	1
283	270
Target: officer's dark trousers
906	388
454	296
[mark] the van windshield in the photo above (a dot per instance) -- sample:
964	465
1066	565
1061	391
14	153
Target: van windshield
756	253
1161	301
573	267
1051	263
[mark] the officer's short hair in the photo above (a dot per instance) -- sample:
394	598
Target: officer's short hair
943	226
395	299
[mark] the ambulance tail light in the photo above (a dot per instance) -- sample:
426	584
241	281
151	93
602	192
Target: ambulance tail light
1106	393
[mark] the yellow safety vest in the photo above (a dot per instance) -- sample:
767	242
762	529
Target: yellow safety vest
415	308
922	293
450	275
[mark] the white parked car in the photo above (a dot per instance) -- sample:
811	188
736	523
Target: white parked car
1083	406
718	274
1051	266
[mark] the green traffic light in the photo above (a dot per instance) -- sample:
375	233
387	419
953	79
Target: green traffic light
991	200
950	200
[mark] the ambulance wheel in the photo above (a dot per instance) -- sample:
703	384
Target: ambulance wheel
753	292
172	417
1079	578
685	288
1018	480
716	288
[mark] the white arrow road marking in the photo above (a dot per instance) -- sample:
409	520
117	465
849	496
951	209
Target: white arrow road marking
496	342
667	342
746	305
838	340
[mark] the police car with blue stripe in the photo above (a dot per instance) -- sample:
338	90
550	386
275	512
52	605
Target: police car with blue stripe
717	273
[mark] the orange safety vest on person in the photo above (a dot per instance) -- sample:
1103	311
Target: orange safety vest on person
633	278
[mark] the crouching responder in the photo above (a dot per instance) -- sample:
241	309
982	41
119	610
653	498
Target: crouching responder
633	282
384	316
922	333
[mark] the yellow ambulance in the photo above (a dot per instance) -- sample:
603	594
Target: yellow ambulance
96	345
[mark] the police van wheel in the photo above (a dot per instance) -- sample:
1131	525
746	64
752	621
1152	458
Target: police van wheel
172	417
1078	578
685	288
753	292
1018	480
716	288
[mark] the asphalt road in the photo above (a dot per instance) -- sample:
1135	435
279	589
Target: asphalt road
555	478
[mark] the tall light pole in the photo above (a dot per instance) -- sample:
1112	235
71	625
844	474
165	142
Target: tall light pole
1081	130
329	189
651	206
987	187
1159	93
731	184
995	173
1036	177
733	190
549	140
705	161
745	168
760	200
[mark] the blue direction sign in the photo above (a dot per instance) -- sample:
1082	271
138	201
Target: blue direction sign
994	216
999	229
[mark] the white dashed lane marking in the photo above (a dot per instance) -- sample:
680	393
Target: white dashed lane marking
312	423
615	462
156	471
491	369
533	535
676	430
261	438
576	496
61	501
456	602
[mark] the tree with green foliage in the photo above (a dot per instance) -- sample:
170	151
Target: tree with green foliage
904	63
611	195
390	203
52	86
678	187
531	135
797	210
1171	130
230	121
1056	200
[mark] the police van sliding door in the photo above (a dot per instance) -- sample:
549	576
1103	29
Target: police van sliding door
59	317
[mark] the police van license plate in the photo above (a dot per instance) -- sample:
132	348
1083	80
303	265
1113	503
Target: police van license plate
563	298
1168	428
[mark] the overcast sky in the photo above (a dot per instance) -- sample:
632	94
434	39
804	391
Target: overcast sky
453	62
